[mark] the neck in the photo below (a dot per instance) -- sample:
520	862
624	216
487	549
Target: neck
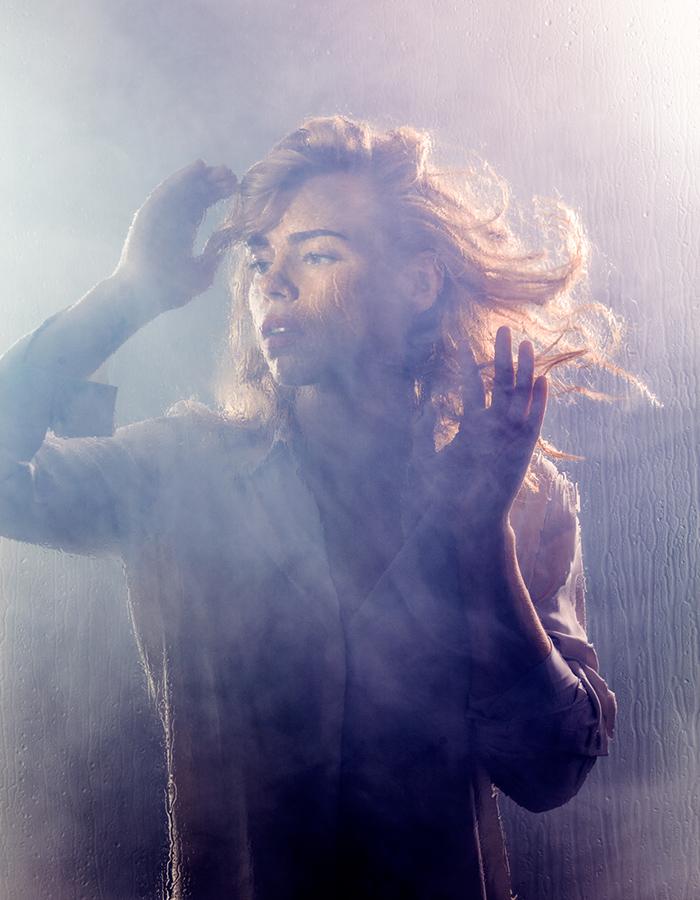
356	431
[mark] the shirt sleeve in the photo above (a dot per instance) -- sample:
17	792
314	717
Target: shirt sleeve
66	480
540	738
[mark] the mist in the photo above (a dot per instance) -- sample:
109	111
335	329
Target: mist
595	104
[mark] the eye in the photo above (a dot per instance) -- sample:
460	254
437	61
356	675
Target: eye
259	265
319	259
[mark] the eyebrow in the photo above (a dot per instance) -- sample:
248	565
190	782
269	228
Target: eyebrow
300	236
259	240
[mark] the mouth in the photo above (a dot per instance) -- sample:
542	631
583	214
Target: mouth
279	333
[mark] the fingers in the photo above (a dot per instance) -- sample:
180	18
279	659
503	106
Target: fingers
201	273
200	188
178	182
218	242
473	394
222	181
522	393
207	262
539	404
198	175
503	372
516	395
164	229
186	195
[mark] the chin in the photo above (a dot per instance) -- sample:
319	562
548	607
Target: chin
294	372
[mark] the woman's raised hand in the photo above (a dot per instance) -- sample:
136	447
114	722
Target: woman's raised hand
157	259
489	457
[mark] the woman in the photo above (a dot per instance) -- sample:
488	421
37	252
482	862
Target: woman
345	649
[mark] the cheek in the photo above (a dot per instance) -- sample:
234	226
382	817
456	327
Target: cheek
348	297
335	295
255	305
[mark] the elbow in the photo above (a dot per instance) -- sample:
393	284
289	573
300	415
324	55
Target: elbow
545	783
16	501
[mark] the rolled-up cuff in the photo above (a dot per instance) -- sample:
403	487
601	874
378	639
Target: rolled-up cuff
83	408
549	687
550	710
34	400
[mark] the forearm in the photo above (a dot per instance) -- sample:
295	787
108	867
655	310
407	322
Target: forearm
156	272
506	636
78	340
69	345
540	738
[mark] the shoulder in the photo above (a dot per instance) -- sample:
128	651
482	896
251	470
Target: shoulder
191	434
547	496
544	518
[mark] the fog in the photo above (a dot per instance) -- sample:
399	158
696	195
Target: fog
590	102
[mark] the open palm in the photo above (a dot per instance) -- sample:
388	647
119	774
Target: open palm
489	457
158	253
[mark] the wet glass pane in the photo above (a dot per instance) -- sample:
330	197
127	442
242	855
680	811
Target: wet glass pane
592	103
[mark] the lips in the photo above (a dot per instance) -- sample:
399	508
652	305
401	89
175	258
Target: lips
279	332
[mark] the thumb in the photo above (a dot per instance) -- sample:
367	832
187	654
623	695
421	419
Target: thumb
203	270
473	393
205	265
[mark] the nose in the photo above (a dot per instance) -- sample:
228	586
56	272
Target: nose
277	284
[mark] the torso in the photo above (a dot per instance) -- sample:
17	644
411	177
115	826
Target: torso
362	526
306	712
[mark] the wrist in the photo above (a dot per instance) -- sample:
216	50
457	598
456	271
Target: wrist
144	294
479	503
482	528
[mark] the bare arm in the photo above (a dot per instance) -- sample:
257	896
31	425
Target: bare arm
540	738
539	711
483	470
157	271
539	719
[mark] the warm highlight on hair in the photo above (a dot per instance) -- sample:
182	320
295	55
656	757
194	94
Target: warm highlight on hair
532	278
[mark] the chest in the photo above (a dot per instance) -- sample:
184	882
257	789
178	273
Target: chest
361	533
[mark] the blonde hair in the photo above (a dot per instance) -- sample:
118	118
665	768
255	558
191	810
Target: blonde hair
492	275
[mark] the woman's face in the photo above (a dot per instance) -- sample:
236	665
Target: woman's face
326	288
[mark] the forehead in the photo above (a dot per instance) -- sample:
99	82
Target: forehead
339	201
